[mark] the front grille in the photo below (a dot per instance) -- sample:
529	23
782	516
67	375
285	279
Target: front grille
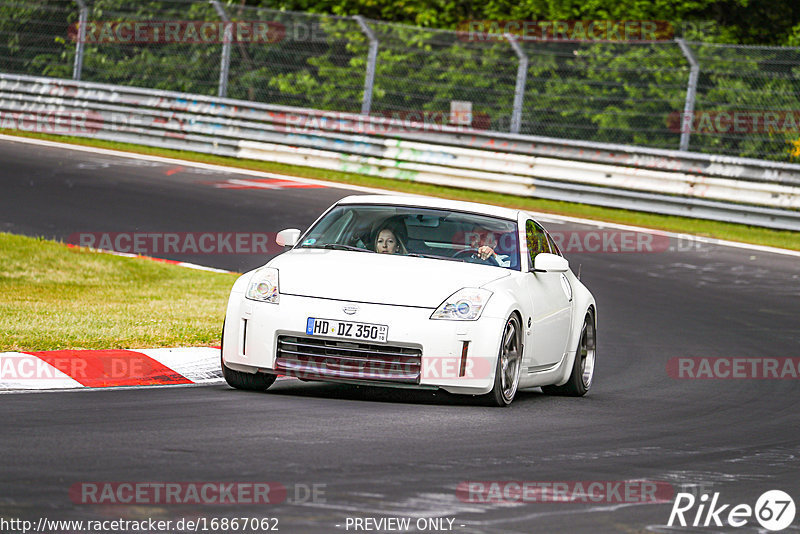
311	358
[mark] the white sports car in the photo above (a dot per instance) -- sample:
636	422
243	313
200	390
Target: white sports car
415	292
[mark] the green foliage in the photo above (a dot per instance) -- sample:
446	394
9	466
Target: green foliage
728	21
610	92
324	70
33	37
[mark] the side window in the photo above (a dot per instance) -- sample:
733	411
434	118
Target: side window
553	245
536	238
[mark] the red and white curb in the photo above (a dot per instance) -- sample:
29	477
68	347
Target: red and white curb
75	369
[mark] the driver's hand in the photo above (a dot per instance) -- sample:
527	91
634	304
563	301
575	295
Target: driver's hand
485	252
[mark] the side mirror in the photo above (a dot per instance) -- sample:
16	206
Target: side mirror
288	237
549	263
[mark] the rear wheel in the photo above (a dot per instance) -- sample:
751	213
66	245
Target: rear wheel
240	380
509	361
580	380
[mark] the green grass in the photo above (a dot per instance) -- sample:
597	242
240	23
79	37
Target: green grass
712	229
54	297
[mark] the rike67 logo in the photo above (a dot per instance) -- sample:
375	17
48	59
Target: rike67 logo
774	511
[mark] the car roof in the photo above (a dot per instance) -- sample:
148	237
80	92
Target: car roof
431	202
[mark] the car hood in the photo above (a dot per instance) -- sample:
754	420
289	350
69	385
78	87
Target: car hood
377	278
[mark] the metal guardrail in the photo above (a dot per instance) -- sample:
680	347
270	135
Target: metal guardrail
669	182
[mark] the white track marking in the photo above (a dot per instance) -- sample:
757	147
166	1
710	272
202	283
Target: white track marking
201	365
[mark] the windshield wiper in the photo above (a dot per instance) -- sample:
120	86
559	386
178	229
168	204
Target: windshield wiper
432	256
337	246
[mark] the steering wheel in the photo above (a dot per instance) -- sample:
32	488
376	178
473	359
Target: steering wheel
475	257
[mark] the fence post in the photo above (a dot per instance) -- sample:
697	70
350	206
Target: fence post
372	58
83	16
519	88
225	60
691	93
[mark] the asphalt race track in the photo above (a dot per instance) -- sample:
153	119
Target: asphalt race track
378	453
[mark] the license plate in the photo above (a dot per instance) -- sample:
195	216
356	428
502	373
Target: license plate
347	329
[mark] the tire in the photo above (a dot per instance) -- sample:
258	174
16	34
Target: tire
240	380
580	380
509	363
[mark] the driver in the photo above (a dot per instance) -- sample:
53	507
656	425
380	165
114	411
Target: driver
486	245
484	242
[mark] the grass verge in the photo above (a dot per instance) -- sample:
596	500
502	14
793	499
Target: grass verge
53	297
712	229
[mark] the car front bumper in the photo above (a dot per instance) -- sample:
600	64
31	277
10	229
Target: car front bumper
253	329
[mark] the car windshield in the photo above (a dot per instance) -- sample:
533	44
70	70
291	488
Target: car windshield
417	232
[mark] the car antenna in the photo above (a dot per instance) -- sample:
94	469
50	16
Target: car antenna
579	270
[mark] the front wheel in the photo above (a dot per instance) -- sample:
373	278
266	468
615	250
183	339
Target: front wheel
247	381
580	380
509	362
240	380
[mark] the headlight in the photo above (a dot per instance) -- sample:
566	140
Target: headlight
263	285
463	305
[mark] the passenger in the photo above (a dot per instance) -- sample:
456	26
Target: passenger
388	241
